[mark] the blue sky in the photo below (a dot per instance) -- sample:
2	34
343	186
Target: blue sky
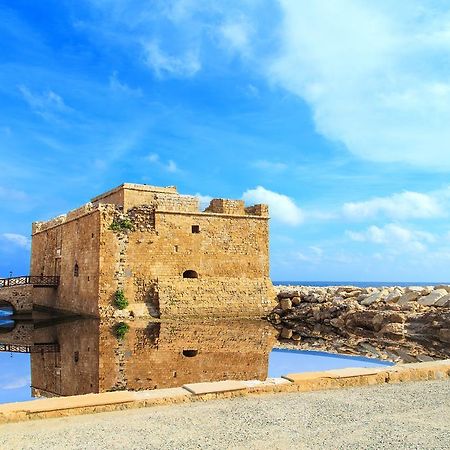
336	113
15	377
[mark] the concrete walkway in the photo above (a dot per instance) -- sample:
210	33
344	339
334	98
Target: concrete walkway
396	416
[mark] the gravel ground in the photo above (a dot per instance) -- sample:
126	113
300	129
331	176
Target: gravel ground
398	416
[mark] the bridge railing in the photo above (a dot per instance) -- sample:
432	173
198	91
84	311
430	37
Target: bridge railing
34	348
39	281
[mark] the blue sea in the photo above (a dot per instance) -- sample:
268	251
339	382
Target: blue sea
361	284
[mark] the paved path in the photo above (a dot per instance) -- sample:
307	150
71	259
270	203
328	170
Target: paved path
399	416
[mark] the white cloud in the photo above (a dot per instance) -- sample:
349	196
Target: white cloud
374	74
186	65
394	235
403	205
17	239
281	207
272	166
204	200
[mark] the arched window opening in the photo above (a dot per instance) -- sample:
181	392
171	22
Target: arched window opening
190	274
190	353
76	270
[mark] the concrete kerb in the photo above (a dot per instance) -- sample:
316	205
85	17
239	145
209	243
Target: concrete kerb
302	382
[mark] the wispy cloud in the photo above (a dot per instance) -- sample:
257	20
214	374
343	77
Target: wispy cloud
236	34
16	383
18	240
272	166
118	86
282	207
169	165
185	65
47	104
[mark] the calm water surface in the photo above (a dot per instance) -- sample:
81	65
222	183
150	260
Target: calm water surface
44	358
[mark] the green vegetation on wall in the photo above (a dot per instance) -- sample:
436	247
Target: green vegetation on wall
121	330
122	225
120	300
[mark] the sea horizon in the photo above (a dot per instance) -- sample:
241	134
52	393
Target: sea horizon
361	284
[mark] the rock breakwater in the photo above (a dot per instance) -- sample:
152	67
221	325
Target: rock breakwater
401	324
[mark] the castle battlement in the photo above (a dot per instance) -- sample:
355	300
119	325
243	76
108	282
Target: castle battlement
163	199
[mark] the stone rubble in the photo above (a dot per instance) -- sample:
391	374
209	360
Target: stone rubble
401	324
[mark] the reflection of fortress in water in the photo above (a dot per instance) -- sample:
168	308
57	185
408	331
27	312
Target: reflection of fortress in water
151	355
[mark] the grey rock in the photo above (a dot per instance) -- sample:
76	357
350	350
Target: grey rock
409	296
432	298
372	298
393	296
443	301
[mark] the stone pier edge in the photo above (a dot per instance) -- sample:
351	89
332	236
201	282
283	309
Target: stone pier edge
301	382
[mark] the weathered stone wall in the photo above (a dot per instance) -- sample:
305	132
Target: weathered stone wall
19	297
400	324
57	249
236	297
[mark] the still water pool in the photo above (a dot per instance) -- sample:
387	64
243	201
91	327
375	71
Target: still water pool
55	358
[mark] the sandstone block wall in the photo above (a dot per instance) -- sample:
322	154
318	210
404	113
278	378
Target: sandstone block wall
19	297
57	247
239	297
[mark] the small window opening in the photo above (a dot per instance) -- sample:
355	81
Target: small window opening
89	278
190	353
92	235
190	274
175	248
196	228
76	356
76	270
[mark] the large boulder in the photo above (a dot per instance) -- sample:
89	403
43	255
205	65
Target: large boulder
433	297
409	296
372	298
443	301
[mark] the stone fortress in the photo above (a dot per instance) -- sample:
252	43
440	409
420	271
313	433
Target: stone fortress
156	248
